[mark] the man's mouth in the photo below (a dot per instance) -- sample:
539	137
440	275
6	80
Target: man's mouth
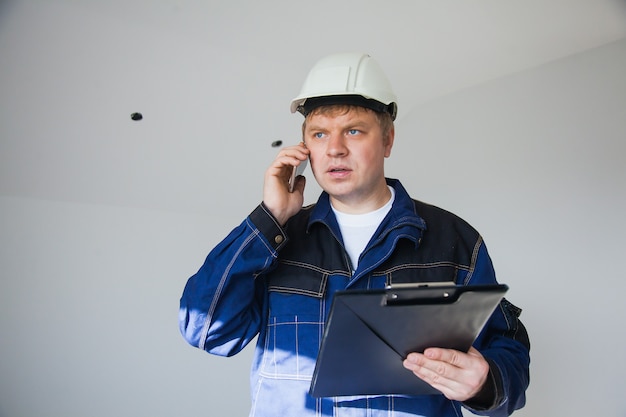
339	172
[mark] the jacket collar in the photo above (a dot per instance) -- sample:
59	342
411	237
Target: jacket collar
403	212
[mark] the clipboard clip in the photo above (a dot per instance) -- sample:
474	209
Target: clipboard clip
420	294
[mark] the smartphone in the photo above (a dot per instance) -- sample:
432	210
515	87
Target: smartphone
297	171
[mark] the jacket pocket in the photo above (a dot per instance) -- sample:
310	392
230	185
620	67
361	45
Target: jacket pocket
291	346
293	277
295	324
415	273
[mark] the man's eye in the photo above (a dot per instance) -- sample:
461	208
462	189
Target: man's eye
353	132
318	135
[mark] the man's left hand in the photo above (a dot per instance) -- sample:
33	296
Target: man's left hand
459	376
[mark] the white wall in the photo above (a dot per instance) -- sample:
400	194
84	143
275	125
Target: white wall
89	294
88	312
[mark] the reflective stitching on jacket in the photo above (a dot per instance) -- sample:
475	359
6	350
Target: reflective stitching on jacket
302	278
396	268
220	287
316	268
472	266
271	366
257	233
297	291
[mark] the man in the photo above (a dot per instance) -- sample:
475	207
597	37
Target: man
274	276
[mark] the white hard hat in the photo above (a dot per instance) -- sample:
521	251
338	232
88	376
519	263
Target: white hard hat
346	78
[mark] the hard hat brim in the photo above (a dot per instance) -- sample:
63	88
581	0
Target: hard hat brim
305	106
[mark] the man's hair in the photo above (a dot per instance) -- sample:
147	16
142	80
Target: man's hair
384	119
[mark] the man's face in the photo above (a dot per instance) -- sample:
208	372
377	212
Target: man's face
347	158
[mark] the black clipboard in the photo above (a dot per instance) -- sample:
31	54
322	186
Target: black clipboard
370	332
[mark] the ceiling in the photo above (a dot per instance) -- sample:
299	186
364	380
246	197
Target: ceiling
213	81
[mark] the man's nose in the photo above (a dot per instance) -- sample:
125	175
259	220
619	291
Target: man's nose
336	145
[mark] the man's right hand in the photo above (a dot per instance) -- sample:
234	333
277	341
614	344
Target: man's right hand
276	196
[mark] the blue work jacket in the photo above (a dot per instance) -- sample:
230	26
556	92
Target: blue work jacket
277	283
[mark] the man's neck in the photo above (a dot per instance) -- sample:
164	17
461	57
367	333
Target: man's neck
362	205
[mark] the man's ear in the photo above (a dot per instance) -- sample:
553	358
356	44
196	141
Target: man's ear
389	141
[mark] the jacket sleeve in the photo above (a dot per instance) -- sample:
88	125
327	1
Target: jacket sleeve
221	307
505	344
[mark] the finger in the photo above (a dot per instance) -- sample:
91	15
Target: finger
434	372
454	382
282	168
300	151
451	356
434	367
288	158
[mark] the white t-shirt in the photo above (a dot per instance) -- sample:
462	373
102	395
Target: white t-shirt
357	229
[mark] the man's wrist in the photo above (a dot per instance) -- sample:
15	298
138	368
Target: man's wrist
490	395
268	226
